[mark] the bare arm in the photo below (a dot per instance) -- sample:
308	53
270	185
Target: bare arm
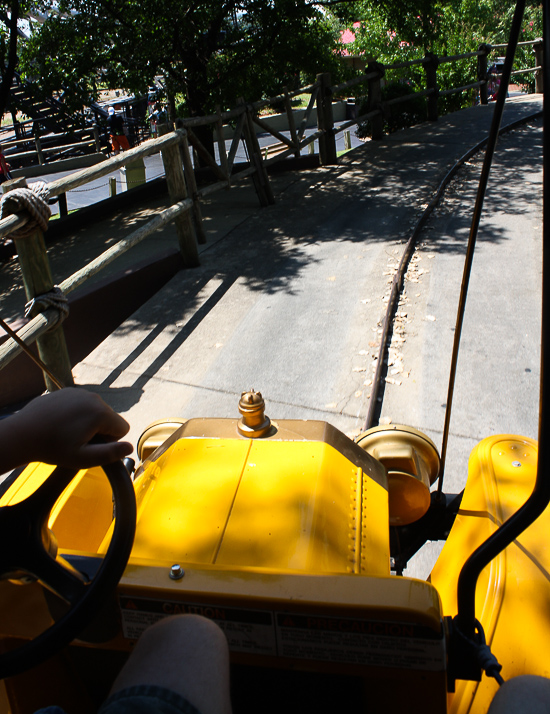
57	428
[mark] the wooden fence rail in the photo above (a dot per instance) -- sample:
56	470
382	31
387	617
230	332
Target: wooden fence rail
176	149
47	143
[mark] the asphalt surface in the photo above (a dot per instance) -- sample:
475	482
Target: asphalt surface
289	299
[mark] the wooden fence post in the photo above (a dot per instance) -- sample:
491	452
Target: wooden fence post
539	62
189	174
325	121
96	138
259	177
37	279
291	123
347	140
221	144
62	202
374	102
38	145
431	63
173	167
482	73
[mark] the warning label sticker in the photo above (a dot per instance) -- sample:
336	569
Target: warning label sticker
299	636
246	630
363	642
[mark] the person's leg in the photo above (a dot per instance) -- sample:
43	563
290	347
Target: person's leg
527	694
187	654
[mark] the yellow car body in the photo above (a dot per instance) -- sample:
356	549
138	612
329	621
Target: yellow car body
283	540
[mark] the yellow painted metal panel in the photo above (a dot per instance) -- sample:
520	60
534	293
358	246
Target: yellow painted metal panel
513	591
32	477
384	630
391	598
82	513
296	505
298	508
184	499
4	703
375	533
23	610
294	510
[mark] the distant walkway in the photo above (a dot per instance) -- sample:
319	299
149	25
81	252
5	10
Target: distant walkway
99	190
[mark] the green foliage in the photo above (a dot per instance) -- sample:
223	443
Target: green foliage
531	30
61	47
209	53
394	33
376	41
400	115
10	13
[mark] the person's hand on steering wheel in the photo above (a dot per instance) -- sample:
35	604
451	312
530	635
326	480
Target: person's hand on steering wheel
57	429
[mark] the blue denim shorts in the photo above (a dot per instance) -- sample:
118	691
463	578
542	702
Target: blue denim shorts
141	699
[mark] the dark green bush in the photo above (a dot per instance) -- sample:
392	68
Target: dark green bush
397	116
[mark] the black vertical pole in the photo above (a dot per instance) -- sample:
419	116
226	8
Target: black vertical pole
540	497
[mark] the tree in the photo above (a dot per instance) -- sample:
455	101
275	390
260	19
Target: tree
209	52
394	33
9	17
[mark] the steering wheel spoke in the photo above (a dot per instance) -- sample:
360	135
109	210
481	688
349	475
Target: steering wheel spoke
60	577
23	526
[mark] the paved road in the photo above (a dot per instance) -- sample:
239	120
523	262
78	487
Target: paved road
497	387
292	296
289	299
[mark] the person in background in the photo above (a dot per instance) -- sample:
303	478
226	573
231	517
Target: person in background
152	118
156	117
119	141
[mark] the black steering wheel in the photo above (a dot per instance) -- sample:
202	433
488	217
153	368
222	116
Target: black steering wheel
24	526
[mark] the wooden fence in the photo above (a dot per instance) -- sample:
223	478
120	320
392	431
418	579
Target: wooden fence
34	147
176	148
50	147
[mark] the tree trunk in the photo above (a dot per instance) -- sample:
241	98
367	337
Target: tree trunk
197	99
8	72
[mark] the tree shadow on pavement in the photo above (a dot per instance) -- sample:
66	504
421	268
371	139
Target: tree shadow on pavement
369	198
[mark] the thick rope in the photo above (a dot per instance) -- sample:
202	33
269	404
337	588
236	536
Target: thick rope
55	299
33	200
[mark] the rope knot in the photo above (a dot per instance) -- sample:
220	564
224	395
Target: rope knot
482	652
33	200
487	661
55	299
